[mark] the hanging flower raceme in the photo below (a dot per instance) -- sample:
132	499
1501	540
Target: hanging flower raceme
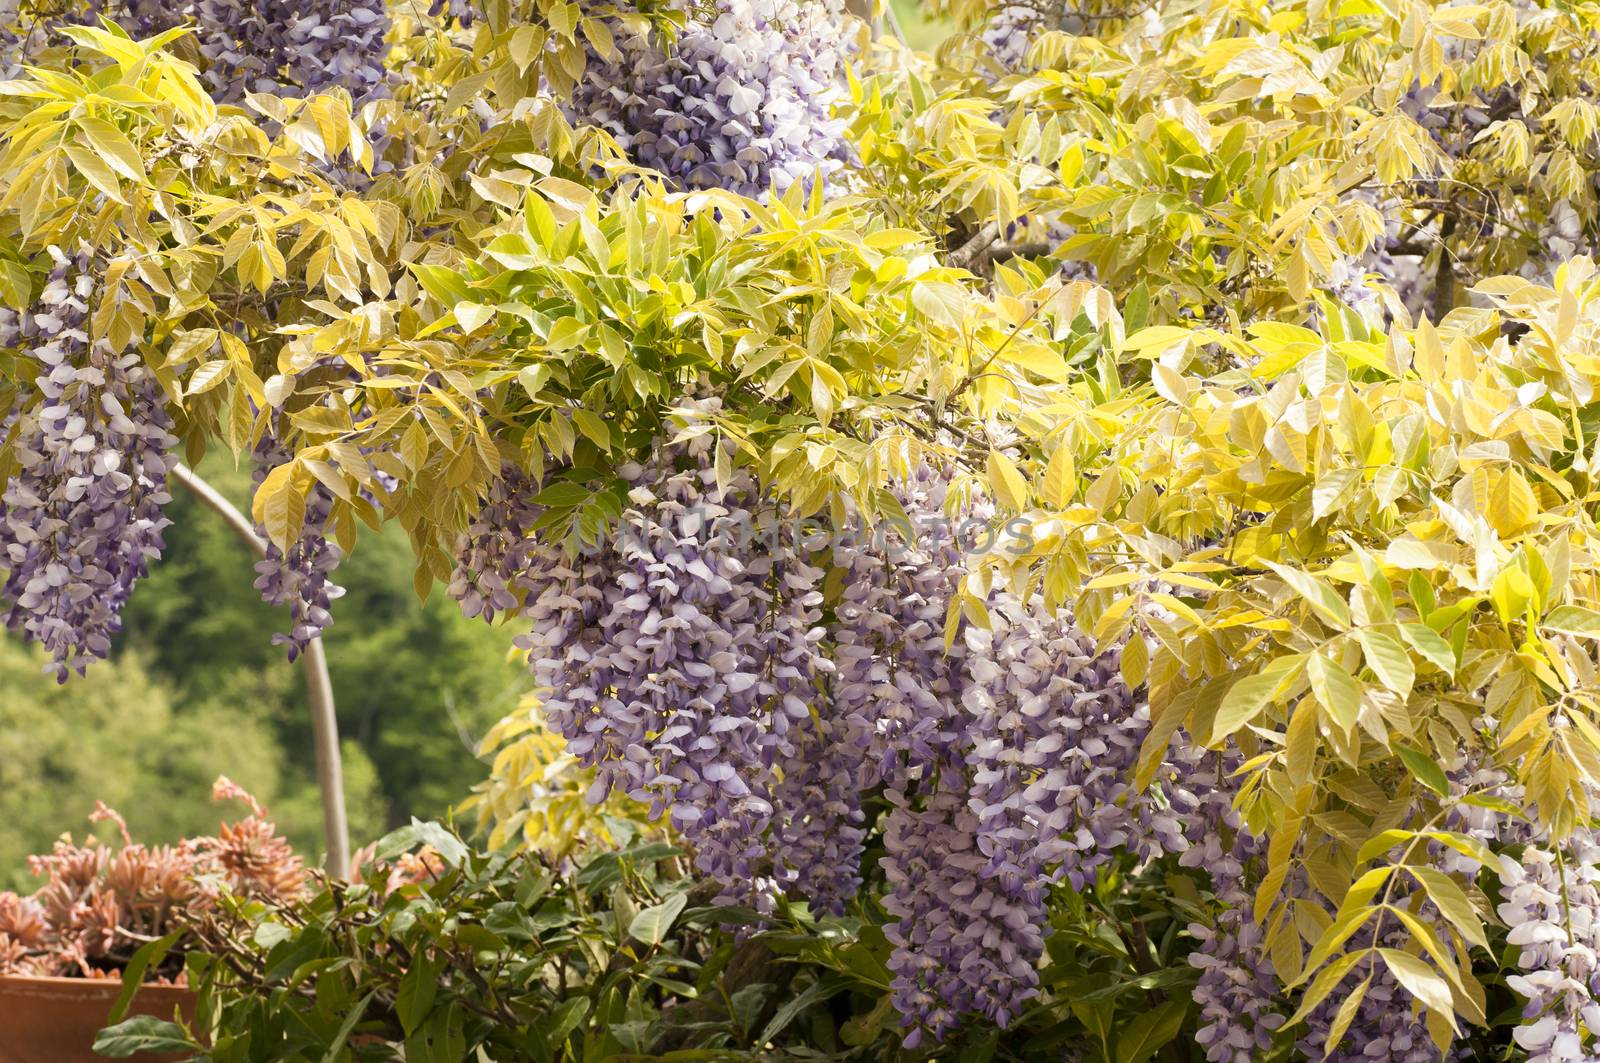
499	556
678	658
293	47
742	102
1047	737
685	660
92	442
301	577
1552	906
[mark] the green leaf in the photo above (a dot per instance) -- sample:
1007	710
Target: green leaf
1388	660
562	1019
1428	642
336	1046
269	933
418	833
450	848
1336	689
563	494
652	924
445	285
143	1033
414	998
150	954
1573	620
1421	981
592	426
1322	598
819	991
1149	1031
1424	769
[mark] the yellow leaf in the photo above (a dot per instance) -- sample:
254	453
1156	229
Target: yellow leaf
1336	689
1388	660
1512	504
1135	661
1038	358
208	376
116	149
95	171
1511	593
1300	744
1420	981
472	316
1162	336
1170	384
279	507
1010	489
1060	477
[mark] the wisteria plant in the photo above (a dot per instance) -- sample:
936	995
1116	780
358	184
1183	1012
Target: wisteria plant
1124	482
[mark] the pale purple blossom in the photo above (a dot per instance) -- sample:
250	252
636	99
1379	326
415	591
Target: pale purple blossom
743	101
81	517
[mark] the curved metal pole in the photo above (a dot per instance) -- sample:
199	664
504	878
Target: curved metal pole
324	724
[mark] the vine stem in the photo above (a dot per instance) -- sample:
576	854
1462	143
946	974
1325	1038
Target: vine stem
319	689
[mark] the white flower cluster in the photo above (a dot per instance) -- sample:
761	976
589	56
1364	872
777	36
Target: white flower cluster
1552	905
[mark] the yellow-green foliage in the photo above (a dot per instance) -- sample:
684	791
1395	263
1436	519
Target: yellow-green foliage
537	796
1367	554
1206	151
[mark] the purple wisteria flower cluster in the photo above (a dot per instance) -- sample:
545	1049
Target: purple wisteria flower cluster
1550	905
293	47
1386	1025
1238	988
755	690
1009	34
301	578
678	665
81	517
1039	747
498	558
742	102
283	47
1351	280
721	685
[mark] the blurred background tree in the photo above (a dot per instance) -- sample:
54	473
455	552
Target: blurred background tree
196	689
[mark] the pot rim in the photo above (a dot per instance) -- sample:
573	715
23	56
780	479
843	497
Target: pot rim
113	985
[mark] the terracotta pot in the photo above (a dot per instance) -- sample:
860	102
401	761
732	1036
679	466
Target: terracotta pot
55	1020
